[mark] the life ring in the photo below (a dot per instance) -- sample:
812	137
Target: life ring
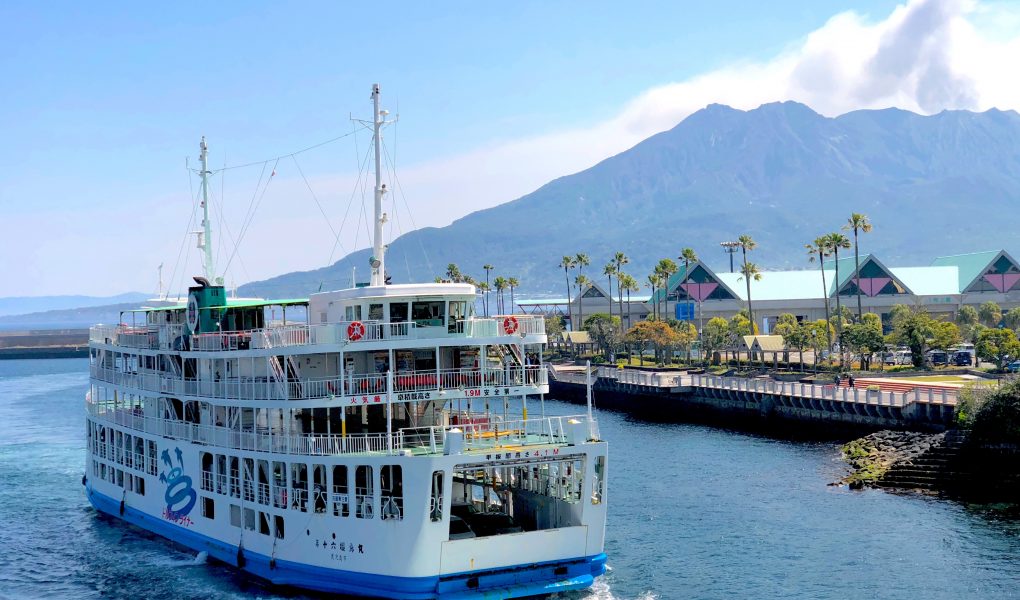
510	325
355	331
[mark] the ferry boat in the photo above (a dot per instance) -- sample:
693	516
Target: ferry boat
367	449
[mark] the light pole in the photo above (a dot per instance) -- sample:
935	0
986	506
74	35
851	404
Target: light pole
731	249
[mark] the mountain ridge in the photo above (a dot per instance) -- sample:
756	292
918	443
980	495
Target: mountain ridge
781	172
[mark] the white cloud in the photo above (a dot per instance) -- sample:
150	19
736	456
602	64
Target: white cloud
926	56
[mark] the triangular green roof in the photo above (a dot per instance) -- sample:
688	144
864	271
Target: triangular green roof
969	266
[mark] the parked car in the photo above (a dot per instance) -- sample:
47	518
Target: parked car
1013	367
938	357
897	357
963	358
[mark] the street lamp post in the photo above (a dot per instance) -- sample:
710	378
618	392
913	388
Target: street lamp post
731	249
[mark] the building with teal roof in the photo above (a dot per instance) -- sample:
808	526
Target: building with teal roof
942	287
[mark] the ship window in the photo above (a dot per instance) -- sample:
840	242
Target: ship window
429	314
235	483
221	474
599	483
249	519
279	485
375	312
207	470
398	312
120	478
140	486
364	492
278	526
248	478
153	460
319	488
299	487
353	313
208	508
235	515
263	523
341	501
436	499
458	312
391	483
263	481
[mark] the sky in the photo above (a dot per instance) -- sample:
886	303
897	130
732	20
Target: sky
103	104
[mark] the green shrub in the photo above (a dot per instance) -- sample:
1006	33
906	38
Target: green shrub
993	416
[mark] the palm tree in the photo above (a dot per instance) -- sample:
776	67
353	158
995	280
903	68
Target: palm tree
836	241
488	267
512	283
666	268
750	271
627	283
453	272
483	287
746	245
609	270
653	282
568	263
619	259
582	284
499	284
857	222
688	255
581	260
820	249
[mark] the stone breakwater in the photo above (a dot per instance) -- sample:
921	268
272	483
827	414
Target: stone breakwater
873	456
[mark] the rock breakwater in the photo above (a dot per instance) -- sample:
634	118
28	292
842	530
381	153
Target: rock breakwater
872	456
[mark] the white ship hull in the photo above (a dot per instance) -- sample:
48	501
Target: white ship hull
409	558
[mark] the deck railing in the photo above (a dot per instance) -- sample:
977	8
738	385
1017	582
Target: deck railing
861	395
324	387
255	441
167	337
480	433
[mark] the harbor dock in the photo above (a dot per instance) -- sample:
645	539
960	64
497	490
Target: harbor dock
871	405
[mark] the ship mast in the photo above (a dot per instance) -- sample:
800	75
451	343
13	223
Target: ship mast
205	236
378	259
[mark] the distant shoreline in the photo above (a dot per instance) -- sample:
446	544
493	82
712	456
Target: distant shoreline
56	343
44	352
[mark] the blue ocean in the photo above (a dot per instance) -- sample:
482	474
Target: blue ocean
695	512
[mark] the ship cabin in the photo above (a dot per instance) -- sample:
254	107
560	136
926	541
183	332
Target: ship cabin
374	371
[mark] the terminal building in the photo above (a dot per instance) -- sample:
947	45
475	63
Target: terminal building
942	287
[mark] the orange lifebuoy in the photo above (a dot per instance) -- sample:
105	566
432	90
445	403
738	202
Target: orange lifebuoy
510	325
355	331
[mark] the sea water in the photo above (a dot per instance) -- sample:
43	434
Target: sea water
694	512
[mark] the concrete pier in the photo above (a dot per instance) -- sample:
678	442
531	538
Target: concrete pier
679	394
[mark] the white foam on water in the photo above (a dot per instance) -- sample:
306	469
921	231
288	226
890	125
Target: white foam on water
201	558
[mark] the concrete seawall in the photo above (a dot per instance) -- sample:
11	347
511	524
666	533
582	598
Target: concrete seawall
790	406
56	343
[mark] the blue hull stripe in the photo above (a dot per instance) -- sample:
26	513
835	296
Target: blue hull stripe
510	582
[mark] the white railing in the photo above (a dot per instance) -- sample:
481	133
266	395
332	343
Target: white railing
480	432
637	377
256	441
323	387
281	336
879	397
484	433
